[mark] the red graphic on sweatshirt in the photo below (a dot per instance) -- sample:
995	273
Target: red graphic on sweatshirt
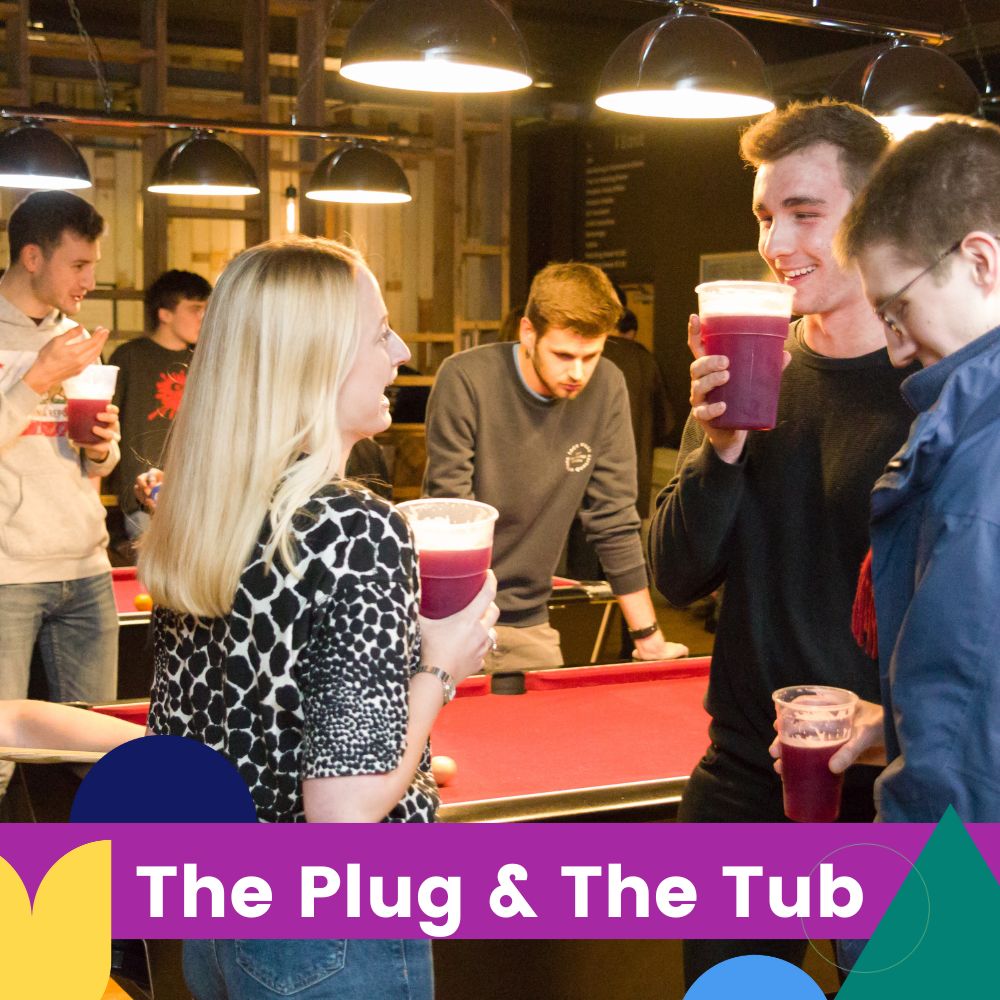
46	428
169	391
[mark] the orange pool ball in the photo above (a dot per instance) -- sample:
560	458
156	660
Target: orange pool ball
143	602
444	769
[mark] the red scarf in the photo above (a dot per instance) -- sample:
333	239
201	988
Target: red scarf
863	623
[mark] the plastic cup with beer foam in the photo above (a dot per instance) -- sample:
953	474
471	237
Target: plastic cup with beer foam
454	540
88	394
814	722
747	321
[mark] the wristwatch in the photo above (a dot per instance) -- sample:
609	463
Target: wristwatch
447	681
645	632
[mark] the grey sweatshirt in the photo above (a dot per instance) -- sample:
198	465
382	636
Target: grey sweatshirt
539	463
51	518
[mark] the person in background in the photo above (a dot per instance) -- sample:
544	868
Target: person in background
55	579
510	326
652	422
539	429
781	516
924	235
652	417
286	631
151	377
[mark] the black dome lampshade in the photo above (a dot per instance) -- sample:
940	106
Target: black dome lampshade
908	86
203	165
33	157
685	65
361	175
437	46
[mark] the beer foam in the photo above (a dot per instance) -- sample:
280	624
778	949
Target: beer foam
439	534
744	298
813	741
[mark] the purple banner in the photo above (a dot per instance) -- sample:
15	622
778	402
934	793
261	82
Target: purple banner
492	881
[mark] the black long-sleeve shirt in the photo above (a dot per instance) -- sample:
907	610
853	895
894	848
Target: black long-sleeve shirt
786	530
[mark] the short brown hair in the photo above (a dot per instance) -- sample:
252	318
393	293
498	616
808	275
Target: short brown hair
927	193
574	296
43	216
860	139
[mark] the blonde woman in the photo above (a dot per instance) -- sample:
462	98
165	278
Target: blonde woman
286	629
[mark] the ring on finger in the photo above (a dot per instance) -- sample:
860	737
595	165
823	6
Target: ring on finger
492	633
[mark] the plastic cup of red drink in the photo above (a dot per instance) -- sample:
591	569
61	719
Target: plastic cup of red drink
454	540
88	394
814	722
747	321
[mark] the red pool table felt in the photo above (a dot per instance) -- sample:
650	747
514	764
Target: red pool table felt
579	728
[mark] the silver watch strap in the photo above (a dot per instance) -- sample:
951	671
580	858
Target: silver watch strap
447	681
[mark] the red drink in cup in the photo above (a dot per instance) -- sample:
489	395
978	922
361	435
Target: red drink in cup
812	790
747	321
454	540
88	394
82	416
449	580
814	722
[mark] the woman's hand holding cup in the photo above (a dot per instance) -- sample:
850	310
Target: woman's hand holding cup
459	643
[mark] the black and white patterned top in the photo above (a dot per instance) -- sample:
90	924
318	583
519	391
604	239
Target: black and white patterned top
308	675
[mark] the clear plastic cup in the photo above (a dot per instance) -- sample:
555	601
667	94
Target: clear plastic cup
454	540
814	722
747	321
88	394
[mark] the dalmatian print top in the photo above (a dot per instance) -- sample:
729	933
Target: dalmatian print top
308	676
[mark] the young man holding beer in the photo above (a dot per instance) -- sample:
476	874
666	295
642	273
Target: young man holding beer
924	234
781	516
55	578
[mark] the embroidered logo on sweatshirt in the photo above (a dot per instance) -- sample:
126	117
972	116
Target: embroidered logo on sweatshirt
578	457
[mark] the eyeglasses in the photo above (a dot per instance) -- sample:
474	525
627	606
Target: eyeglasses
881	310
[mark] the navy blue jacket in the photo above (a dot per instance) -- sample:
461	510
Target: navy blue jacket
936	572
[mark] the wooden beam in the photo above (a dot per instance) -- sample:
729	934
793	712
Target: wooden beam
233	214
152	100
310	45
18	64
256	90
112	51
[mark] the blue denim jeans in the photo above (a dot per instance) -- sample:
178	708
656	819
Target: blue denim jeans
136	524
76	625
309	970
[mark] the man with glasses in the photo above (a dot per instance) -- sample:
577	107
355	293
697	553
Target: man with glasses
781	517
936	513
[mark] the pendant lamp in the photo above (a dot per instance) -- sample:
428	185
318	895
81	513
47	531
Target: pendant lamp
203	165
908	86
33	157
359	174
436	46
685	65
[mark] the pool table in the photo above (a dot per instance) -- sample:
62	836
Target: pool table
612	742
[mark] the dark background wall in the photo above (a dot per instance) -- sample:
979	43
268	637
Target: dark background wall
692	196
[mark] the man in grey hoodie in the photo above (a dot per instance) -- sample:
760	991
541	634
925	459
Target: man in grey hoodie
55	580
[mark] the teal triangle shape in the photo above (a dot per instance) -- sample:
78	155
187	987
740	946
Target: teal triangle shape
939	934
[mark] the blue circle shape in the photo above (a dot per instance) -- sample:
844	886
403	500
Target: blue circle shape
754	977
163	779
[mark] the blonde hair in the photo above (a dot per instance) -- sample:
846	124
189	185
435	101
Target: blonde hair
257	433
